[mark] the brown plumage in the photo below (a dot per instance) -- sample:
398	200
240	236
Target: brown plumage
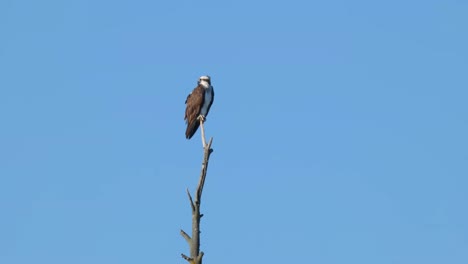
198	103
194	104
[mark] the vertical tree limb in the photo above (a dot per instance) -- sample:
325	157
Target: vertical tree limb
194	242
202	128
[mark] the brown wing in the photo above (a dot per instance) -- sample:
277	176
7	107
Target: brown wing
193	107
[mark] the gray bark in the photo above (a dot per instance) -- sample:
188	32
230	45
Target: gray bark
194	242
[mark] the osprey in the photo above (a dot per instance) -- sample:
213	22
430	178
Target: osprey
198	105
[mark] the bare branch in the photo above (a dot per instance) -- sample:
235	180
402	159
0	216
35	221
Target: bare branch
202	128
199	257
189	259
206	157
191	201
194	242
186	236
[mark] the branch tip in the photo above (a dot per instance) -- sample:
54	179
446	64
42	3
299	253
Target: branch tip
191	200
186	236
200	256
189	259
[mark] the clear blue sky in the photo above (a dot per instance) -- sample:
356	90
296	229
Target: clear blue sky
340	131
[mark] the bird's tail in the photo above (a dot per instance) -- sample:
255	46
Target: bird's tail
191	129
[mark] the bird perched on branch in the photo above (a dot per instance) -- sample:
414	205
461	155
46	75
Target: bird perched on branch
198	105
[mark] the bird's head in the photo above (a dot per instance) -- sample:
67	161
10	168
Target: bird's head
205	79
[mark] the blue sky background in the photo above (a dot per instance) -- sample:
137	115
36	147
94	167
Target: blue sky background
340	131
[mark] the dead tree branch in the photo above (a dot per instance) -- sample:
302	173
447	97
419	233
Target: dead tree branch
194	242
